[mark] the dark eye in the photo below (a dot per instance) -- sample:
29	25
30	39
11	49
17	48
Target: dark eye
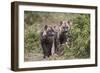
65	27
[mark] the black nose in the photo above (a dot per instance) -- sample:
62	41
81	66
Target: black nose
65	29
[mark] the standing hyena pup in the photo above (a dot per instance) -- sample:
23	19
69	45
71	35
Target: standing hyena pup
63	30
46	39
62	34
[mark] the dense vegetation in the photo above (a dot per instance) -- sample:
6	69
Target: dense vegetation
79	33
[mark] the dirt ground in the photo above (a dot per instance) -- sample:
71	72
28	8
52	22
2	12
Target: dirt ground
37	55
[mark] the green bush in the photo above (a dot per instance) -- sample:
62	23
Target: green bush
80	32
31	39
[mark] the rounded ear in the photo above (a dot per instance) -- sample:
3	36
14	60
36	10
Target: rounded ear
45	27
68	22
61	22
